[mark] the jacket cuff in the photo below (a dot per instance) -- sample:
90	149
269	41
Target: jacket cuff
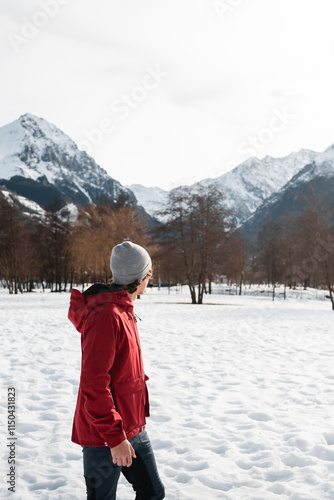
116	440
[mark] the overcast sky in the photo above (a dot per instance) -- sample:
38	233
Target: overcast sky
164	92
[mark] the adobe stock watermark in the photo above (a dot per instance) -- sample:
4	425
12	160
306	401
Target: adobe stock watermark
280	120
255	144
225	7
31	27
122	108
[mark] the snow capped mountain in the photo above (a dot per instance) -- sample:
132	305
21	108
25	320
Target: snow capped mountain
312	186
253	181
246	187
315	169
42	163
326	156
322	166
150	198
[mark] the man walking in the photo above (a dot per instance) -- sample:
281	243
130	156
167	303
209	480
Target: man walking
109	420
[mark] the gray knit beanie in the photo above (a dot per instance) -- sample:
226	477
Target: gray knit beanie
129	262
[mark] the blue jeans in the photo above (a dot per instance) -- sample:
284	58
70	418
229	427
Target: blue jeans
102	475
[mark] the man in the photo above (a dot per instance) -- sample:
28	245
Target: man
109	420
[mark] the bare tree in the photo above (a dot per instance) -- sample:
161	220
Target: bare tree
17	254
270	259
195	227
235	258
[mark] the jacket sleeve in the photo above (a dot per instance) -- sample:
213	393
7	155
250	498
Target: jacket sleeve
98	354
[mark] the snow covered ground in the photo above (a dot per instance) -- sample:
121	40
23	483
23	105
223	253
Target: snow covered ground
241	390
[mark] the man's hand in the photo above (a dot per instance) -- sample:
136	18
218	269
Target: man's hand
123	453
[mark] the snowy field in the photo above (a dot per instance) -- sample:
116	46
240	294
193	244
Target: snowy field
241	390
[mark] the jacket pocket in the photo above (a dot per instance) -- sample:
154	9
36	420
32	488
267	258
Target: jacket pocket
130	400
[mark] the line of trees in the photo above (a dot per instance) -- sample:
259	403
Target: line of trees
195	245
298	250
55	251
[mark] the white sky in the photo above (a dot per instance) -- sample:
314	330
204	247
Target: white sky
238	78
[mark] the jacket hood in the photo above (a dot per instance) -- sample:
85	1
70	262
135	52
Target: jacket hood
81	304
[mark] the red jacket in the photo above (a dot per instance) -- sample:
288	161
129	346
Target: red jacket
112	400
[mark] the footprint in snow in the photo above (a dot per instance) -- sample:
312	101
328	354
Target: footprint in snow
260	416
48	485
329	436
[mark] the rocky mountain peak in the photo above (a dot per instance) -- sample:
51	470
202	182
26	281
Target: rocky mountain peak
42	163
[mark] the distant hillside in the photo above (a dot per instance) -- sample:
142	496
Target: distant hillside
26	207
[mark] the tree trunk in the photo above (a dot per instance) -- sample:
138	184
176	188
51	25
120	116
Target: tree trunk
192	293
329	285
210	286
331	297
200	293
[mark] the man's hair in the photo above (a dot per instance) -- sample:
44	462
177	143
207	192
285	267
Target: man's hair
132	287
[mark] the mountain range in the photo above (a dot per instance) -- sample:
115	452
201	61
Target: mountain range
259	191
245	187
40	163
